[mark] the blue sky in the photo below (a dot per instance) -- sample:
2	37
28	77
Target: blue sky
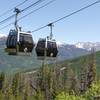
81	27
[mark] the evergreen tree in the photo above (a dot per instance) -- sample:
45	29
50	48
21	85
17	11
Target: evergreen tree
72	82
91	72
15	84
83	75
2	78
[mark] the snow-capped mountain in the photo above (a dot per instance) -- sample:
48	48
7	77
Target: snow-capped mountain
67	51
3	35
88	45
3	38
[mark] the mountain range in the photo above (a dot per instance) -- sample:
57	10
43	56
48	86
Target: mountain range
22	63
80	45
88	45
2	40
66	51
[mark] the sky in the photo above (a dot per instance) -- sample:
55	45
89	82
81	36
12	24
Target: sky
81	27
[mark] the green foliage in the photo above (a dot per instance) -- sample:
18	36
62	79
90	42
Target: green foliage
66	96
88	95
93	91
51	83
15	84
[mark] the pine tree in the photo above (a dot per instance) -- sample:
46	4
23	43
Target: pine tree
2	78
91	72
83	75
15	84
72	82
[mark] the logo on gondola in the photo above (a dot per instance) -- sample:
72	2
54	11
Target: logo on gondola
51	54
25	50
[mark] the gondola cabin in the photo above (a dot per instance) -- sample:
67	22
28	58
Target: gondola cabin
19	42
46	49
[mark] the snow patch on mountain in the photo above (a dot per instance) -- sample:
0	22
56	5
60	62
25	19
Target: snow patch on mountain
60	43
88	45
3	35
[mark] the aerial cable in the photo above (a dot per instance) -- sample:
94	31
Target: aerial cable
37	9
13	8
29	13
60	18
10	17
34	4
6	26
77	11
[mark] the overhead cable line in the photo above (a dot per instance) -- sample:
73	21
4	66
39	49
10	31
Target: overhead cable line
62	18
59	18
77	11
6	12
10	17
6	26
37	9
34	4
29	13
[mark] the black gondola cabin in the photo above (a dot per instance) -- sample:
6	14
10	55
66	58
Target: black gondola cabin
46	48
19	42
